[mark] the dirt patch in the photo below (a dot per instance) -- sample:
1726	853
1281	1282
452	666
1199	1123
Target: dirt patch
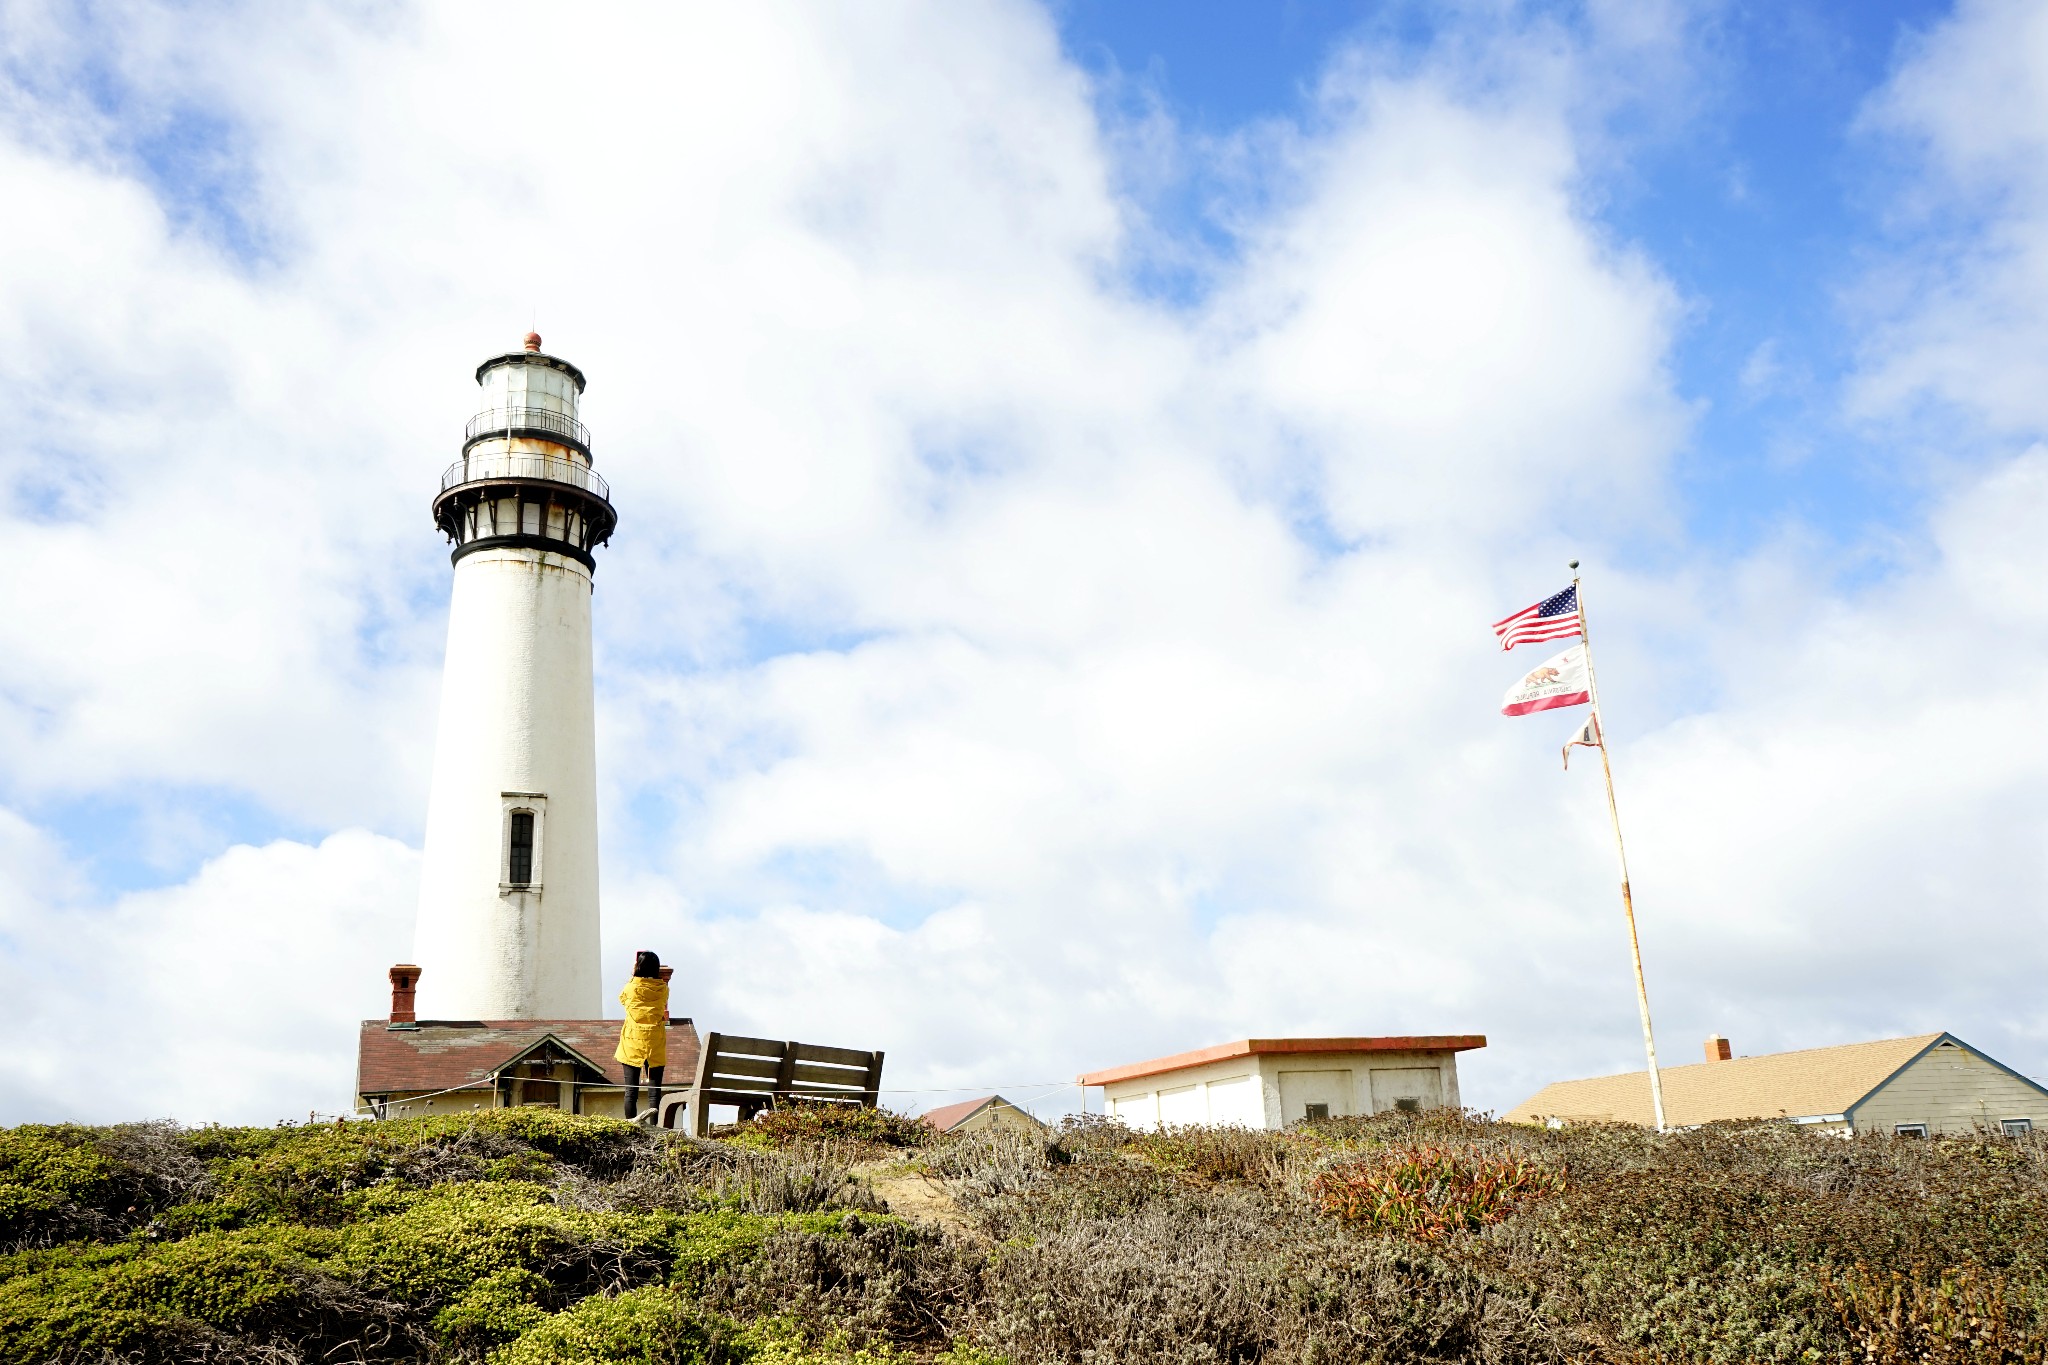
910	1193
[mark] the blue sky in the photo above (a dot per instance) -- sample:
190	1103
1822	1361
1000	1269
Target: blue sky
1067	458
1755	191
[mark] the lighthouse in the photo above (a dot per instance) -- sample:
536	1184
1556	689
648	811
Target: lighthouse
508	920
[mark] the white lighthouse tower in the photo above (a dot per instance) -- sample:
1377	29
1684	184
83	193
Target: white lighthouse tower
508	924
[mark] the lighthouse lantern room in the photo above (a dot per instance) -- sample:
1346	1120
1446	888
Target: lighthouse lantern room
508	917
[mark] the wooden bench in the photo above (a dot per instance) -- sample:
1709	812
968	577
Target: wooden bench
753	1073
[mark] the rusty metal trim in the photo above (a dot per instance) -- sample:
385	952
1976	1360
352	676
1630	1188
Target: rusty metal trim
531	358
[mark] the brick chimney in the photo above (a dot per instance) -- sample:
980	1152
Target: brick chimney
1718	1049
405	979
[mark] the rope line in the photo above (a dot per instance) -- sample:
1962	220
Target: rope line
490	1082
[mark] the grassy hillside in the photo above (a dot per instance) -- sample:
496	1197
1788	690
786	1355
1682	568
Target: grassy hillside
529	1236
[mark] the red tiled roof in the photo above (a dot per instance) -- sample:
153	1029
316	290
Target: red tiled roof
947	1117
1245	1047
441	1054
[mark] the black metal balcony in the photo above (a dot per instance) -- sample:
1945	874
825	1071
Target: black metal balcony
541	502
550	468
538	423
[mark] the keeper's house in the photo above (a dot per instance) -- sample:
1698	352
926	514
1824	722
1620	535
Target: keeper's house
978	1116
407	1067
1272	1082
1913	1087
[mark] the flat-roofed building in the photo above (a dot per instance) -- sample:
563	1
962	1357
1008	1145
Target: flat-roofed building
1272	1082
1928	1084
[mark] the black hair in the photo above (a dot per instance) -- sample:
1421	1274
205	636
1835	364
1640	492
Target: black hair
646	964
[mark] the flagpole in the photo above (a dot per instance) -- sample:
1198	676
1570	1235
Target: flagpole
1628	909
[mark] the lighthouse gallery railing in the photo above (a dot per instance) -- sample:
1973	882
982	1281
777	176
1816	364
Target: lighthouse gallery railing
548	468
513	420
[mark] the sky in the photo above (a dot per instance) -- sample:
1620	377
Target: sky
1069	457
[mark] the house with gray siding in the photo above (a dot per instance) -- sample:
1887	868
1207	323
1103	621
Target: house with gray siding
1922	1086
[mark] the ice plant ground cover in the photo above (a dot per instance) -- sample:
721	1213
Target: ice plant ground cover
529	1236
1430	1191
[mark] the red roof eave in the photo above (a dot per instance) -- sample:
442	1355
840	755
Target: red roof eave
947	1117
1247	1047
440	1055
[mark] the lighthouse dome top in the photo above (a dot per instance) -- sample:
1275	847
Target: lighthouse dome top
531	369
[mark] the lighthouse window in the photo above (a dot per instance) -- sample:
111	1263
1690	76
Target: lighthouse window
521	861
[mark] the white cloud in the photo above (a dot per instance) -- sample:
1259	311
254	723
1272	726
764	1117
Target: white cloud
1859	818
1464	346
1960	314
232	997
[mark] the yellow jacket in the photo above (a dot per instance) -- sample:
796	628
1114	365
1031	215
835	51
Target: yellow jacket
643	1038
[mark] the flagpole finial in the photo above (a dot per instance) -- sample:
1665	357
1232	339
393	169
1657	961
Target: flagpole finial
1573	565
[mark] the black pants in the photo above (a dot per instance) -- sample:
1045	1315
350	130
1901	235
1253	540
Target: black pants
633	1090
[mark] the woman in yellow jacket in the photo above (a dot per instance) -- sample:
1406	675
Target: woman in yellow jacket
643	1038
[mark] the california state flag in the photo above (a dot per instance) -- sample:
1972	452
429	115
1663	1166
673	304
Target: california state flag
1557	682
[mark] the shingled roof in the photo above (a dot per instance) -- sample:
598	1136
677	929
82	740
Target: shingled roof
442	1054
1820	1082
947	1117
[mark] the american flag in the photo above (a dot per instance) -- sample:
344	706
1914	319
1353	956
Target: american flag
1554	618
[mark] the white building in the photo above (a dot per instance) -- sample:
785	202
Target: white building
508	918
1272	1082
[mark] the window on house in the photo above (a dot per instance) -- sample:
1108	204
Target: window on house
1317	1111
1910	1130
2015	1127
1408	1104
520	864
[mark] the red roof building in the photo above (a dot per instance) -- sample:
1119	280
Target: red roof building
407	1067
973	1116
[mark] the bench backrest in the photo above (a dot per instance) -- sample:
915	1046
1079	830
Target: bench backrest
753	1073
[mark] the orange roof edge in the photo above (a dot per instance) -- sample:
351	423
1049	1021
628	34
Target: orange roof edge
1246	1047
946	1116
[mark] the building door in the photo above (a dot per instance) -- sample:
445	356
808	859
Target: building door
1137	1111
1314	1094
1182	1104
1236	1101
1412	1088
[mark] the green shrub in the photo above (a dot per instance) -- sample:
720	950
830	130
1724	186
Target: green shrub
533	1235
600	1146
158	1300
324	1173
780	1341
53	1303
800	1179
1221	1153
493	1310
850	1279
64	1181
650	1326
444	1240
704	1242
474	1265
50	1179
801	1121
1963	1315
